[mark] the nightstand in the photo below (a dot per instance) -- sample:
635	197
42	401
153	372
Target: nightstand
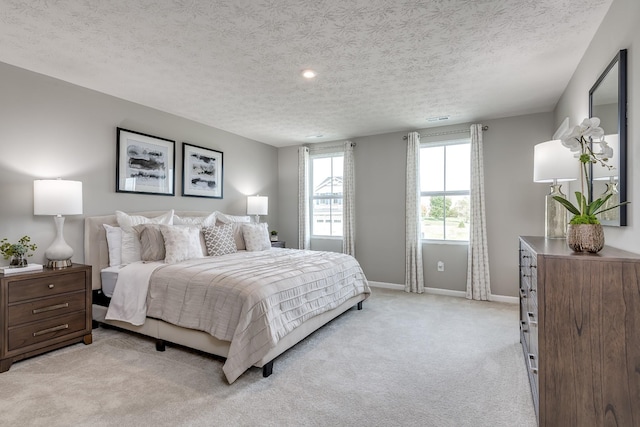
278	244
43	311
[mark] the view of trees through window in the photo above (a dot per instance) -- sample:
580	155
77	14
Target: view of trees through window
444	188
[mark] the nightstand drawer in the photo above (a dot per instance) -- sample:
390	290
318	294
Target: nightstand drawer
46	330
39	287
47	307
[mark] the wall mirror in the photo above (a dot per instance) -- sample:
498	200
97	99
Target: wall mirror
608	101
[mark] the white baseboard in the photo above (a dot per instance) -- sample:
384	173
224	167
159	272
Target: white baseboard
445	292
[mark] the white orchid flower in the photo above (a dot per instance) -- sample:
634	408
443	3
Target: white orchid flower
581	141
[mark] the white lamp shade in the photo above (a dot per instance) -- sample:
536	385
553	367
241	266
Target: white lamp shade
600	172
57	197
257	205
553	161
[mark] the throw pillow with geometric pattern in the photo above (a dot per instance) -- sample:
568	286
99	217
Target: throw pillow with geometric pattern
219	240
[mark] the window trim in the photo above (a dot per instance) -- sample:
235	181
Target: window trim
445	193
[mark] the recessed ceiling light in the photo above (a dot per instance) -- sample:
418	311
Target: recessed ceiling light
309	74
315	136
438	118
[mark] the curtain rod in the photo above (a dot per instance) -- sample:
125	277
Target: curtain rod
449	132
327	147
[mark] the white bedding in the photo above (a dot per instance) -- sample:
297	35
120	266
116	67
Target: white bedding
108	278
129	299
251	299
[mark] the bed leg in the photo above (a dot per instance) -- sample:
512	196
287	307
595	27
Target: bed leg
160	345
95	324
360	305
267	369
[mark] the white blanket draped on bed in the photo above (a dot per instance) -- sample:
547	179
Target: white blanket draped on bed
251	299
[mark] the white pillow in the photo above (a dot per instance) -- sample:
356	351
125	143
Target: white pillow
237	221
256	236
181	243
130	240
202	221
114	244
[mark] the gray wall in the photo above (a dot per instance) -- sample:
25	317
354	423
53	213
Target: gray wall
50	129
515	205
619	30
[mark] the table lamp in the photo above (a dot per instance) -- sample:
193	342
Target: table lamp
57	197
257	205
553	163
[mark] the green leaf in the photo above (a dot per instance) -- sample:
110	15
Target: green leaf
567	204
593	207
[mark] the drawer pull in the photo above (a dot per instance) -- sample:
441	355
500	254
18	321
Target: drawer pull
51	307
533	369
523	326
54	329
532	317
51	285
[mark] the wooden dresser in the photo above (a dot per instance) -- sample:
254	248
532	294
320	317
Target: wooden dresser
42	311
580	333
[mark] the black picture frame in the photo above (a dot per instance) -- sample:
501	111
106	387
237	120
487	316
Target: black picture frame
202	172
145	164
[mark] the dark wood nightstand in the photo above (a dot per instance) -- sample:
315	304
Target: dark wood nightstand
278	244
43	311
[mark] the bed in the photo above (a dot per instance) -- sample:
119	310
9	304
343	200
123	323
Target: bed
274	297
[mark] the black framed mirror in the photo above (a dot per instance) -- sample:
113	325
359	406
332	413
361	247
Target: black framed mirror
608	102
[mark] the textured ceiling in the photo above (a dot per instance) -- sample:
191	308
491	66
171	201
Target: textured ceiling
382	65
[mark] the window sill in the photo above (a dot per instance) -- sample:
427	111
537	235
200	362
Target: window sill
445	242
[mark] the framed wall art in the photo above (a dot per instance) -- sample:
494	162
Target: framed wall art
201	172
145	164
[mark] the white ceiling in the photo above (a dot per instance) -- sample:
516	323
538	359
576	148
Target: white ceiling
383	65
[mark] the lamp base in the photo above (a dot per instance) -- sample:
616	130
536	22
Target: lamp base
59	263
556	215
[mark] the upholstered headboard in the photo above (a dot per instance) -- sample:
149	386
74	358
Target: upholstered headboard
96	251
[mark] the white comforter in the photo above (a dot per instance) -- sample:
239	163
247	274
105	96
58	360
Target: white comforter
251	299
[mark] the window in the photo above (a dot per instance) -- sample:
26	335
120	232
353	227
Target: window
444	190
326	195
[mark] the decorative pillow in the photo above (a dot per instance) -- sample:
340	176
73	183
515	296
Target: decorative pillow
203	221
220	240
114	243
181	243
237	221
256	236
130	240
151	242
200	221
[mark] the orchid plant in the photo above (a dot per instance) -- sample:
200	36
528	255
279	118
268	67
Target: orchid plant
582	140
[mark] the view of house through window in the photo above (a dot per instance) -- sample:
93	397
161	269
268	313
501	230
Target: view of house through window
444	189
326	195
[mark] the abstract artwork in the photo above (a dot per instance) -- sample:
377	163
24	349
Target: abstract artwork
201	172
145	164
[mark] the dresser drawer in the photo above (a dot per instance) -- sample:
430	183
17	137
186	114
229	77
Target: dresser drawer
39	287
45	330
47	307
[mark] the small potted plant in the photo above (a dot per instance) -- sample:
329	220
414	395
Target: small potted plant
274	236
17	251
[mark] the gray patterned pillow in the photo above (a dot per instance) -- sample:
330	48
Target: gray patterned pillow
181	242
151	242
256	236
219	240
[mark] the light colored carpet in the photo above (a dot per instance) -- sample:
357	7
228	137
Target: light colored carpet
404	360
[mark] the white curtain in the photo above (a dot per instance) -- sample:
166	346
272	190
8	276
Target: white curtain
414	281
348	202
478	283
304	237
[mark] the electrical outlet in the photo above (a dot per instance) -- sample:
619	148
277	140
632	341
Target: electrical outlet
440	266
